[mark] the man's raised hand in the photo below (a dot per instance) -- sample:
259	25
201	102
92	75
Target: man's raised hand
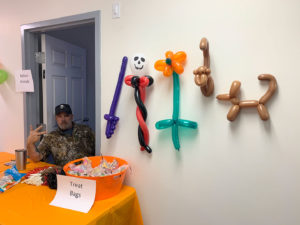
35	134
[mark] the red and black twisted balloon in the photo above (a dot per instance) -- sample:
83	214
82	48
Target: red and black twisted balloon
139	84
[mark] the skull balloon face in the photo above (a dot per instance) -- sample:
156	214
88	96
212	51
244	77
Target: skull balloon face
138	65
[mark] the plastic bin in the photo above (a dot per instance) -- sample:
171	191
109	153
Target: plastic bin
106	186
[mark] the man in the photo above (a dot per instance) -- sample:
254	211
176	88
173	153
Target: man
68	142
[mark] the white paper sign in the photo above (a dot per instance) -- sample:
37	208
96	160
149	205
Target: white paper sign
24	82
74	193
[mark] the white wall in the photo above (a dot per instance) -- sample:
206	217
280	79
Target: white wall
245	172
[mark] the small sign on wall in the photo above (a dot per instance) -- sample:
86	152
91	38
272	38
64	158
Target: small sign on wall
24	81
74	193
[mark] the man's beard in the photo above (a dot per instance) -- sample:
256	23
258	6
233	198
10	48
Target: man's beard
65	126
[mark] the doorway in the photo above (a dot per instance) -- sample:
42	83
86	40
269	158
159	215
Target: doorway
82	30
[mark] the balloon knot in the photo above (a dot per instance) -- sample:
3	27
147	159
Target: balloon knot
168	61
135	81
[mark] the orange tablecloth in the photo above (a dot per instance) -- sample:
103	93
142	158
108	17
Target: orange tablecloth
5	157
27	204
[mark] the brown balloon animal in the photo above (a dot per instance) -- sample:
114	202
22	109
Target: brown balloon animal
202	73
260	104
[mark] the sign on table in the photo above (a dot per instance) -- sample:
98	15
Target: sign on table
74	193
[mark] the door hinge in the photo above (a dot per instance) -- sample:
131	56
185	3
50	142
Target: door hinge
40	57
44	73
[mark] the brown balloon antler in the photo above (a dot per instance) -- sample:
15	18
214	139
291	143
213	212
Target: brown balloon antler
237	104
202	73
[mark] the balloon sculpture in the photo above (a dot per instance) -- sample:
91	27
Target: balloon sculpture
3	76
111	118
173	65
260	105
139	83
202	73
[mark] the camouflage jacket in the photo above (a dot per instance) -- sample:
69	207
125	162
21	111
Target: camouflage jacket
68	147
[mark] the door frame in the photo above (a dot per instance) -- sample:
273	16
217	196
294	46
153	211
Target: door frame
29	37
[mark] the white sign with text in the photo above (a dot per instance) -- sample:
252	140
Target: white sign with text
74	193
24	81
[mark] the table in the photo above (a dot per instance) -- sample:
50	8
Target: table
27	204
5	157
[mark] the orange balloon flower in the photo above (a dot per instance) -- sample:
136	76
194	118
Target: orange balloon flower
173	62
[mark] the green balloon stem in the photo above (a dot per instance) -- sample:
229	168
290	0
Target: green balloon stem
175	121
176	93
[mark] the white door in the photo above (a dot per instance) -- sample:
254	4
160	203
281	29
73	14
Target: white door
65	79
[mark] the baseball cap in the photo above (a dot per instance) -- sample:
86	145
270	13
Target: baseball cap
63	108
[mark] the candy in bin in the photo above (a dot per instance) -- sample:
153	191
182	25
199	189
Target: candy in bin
108	168
84	168
114	165
102	170
87	164
120	169
81	168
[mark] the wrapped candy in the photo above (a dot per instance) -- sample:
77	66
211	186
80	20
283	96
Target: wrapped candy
83	169
103	169
7	182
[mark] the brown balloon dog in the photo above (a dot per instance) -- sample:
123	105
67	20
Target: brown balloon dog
260	104
202	73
